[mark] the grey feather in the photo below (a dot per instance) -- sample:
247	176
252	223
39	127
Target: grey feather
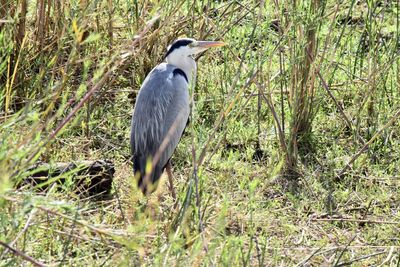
161	110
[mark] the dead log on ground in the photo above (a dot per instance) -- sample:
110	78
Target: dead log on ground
87	178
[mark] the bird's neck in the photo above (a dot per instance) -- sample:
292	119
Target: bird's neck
187	64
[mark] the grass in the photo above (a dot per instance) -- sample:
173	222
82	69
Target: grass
68	82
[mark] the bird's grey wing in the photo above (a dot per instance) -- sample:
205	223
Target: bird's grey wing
149	112
160	115
176	118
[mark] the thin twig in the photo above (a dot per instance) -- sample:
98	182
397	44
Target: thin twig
388	258
196	183
22	255
279	126
259	253
354	220
360	258
366	145
21	232
70	235
341	111
342	252
303	262
80	222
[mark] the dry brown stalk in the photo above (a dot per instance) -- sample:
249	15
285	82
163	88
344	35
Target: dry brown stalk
302	92
22	23
40	23
110	23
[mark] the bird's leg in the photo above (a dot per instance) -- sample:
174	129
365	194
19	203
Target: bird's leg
168	167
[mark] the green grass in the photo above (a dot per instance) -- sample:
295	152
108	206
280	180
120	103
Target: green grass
250	215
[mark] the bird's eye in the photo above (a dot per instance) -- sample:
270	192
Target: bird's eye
192	44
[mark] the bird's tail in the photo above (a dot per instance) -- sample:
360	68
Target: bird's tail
146	176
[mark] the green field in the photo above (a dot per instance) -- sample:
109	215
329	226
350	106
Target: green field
291	156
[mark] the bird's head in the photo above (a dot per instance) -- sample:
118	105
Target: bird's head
181	54
187	47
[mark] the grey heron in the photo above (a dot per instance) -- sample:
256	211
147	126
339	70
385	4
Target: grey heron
161	112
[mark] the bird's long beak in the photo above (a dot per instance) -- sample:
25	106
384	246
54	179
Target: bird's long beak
208	44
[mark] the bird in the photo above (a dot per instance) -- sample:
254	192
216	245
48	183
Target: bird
161	112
